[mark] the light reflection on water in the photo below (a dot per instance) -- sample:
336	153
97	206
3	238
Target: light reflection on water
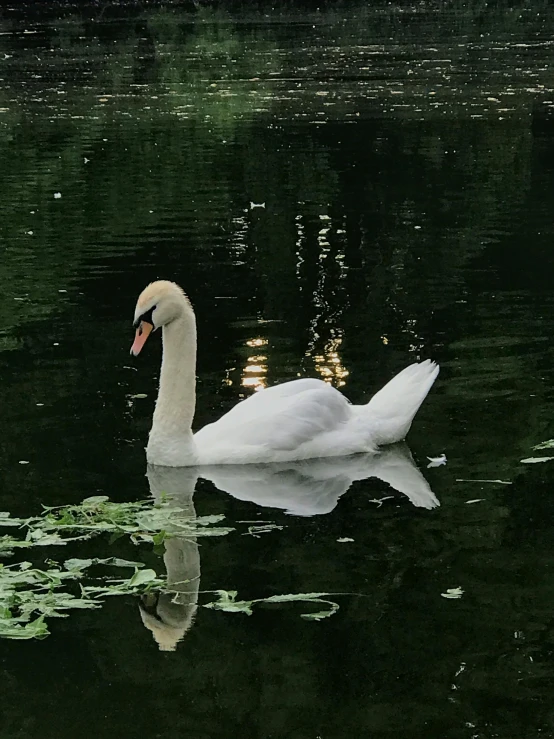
254	373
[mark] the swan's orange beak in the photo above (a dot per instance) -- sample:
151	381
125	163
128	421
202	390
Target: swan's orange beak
143	332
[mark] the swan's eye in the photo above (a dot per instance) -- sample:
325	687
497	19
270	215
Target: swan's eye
146	316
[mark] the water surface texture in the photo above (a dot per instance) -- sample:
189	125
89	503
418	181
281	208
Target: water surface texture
340	192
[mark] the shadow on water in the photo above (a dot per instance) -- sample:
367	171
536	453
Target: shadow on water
341	192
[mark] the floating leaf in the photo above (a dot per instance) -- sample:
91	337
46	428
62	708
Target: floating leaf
9	543
29	595
208	520
227	602
453	593
44	539
143	521
36	629
262	529
535	460
544	445
142	581
95	500
7	520
141	577
241	606
292	597
437	461
308	598
82	564
320	615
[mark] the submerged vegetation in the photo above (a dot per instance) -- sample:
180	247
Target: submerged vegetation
31	595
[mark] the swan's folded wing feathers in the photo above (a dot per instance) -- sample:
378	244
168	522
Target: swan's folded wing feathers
303	418
265	403
283	422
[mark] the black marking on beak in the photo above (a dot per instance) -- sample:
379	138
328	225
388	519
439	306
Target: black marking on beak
146	317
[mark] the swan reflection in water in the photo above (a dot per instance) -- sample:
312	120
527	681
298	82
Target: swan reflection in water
309	488
170	615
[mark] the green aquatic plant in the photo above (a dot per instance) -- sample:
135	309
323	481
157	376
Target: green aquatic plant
227	602
31	595
536	460
9	543
548	444
142	521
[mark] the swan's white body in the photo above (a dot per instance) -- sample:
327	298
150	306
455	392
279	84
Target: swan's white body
302	419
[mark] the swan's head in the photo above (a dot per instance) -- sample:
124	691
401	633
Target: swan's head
159	304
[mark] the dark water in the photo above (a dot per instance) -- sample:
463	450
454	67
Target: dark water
406	161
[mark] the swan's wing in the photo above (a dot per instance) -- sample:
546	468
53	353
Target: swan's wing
281	418
266	401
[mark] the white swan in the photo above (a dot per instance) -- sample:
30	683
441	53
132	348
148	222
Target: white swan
302	419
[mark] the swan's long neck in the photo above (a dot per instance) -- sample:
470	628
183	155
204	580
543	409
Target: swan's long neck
177	394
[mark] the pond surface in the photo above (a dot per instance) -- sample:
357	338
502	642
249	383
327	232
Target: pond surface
341	193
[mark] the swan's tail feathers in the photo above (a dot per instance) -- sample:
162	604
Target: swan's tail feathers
393	408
